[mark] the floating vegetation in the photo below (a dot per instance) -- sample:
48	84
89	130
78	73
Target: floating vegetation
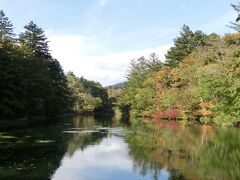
45	141
5	136
20	168
77	128
70	132
103	128
97	129
81	132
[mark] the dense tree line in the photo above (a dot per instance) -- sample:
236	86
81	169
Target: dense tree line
199	80
87	96
32	82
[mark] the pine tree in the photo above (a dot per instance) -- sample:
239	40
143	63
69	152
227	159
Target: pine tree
154	63
184	45
35	40
6	27
236	25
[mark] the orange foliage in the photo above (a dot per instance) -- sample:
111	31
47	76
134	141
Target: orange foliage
206	104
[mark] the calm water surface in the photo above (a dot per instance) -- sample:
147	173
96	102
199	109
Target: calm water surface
102	147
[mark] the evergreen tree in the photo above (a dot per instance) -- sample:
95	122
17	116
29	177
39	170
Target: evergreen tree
35	40
236	25
6	27
56	97
154	63
184	45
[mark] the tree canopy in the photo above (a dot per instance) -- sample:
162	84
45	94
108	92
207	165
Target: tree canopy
202	85
186	43
6	27
35	40
87	96
32	82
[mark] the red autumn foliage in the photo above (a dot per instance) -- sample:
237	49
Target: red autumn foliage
171	113
159	114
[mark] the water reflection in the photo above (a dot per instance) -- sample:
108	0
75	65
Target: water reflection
107	160
102	147
200	152
99	151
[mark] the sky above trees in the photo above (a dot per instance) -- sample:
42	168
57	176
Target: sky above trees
98	38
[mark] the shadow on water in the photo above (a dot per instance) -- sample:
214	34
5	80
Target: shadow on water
35	150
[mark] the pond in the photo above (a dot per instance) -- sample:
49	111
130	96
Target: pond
105	147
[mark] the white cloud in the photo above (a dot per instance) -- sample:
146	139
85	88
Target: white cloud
74	52
105	160
111	153
103	2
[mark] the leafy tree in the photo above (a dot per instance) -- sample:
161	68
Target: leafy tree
87	96
184	45
35	40
133	97
204	85
6	27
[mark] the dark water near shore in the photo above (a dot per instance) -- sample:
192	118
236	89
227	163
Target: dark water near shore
104	147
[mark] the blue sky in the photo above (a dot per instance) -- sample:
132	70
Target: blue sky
98	38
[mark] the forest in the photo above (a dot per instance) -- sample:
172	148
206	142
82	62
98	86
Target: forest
33	83
199	81
175	115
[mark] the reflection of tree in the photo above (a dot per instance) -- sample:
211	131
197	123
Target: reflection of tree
81	141
141	161
193	152
28	156
143	149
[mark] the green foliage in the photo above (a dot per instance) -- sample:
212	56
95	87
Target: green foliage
138	96
204	86
184	45
209	74
30	84
35	40
6	27
87	96
219	83
115	94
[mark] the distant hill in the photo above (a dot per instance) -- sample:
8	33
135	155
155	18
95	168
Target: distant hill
117	86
